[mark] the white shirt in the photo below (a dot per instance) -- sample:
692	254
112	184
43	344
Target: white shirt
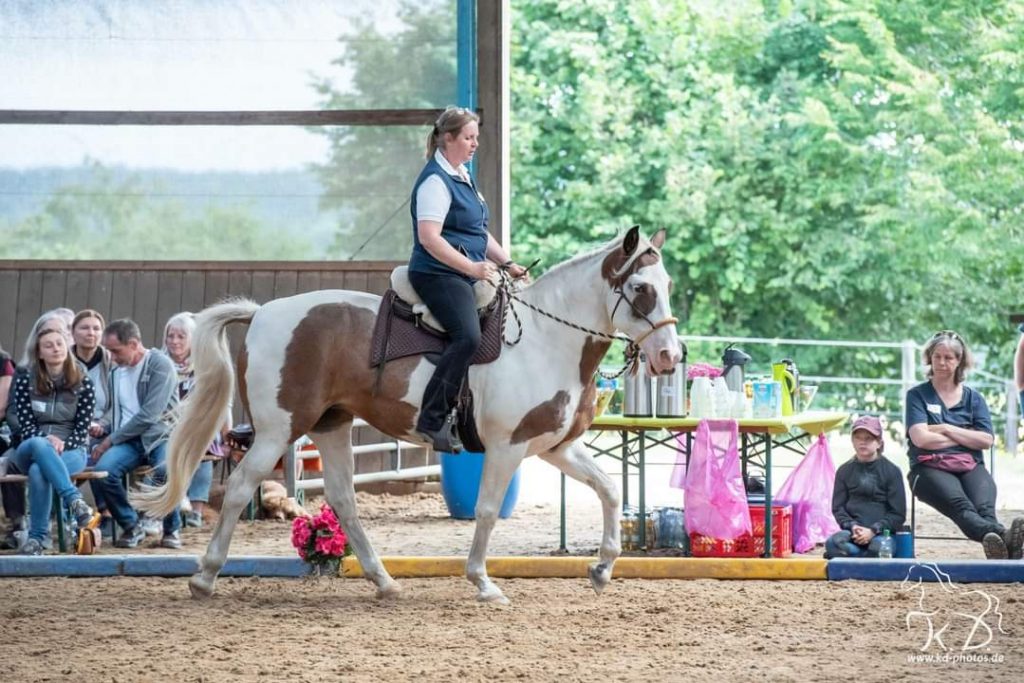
128	389
433	198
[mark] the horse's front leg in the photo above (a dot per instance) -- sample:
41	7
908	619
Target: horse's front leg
574	460
499	467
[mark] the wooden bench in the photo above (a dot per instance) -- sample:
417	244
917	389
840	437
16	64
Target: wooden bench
76	479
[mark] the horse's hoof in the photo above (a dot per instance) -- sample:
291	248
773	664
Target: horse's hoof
492	596
389	591
600	576
200	588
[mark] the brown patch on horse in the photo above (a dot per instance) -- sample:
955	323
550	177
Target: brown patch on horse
545	418
327	375
593	352
617	258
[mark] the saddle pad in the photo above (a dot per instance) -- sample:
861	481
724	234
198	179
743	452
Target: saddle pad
395	336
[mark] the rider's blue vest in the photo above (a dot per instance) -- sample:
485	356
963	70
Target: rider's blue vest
465	226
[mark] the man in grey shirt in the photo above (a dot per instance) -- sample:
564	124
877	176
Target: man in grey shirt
143	388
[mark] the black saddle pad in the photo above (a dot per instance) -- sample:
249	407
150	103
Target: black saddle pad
399	332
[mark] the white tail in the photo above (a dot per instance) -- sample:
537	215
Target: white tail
204	410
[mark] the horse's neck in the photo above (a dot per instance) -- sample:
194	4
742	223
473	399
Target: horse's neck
573	292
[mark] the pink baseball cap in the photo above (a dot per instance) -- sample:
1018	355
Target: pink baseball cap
870	424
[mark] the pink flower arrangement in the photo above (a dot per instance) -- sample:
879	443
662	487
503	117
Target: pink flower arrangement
703	370
319	539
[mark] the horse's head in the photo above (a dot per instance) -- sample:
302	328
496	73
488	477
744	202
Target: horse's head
638	299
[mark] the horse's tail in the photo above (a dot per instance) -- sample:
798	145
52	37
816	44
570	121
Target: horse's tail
204	410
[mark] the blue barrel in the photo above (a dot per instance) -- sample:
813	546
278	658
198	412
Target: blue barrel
460	484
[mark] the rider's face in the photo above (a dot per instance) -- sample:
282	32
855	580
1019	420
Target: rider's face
460	147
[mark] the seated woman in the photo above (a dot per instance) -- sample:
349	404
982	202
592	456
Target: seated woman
54	402
948	429
178	346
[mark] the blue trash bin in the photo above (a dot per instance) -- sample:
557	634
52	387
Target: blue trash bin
460	485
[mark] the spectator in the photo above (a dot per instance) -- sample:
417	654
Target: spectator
14	502
87	331
178	347
868	498
9	492
143	393
54	402
54	319
6	377
948	428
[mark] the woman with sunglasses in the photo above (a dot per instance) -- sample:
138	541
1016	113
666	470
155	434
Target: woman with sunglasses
948	430
451	250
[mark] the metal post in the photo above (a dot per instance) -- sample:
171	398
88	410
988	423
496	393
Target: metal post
289	470
1012	417
642	502
767	494
908	373
561	528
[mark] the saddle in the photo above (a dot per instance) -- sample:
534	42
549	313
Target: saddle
405	327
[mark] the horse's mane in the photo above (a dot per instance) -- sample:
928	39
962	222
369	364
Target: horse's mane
602	248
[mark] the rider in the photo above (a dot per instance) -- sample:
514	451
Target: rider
451	250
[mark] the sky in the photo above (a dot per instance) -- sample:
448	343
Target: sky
171	55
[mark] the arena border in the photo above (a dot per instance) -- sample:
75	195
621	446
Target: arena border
13	566
792	569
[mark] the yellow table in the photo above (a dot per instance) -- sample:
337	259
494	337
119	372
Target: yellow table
785	432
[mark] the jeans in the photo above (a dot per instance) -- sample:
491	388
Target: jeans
967	498
47	469
118	462
450	298
840	544
202	480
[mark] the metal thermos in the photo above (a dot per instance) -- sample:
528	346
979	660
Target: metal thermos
637	399
733	362
671	391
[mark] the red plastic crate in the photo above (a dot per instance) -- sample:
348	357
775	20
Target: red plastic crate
750	545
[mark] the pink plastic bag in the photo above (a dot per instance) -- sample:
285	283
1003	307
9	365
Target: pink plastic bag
716	501
809	490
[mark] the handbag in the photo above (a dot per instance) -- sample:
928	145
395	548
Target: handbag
957	463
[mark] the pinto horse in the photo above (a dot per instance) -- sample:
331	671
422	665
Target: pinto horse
304	369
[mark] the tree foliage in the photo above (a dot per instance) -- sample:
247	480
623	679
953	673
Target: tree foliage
826	168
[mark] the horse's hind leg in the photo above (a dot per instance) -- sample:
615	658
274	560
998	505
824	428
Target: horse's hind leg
255	466
339	466
499	467
578	464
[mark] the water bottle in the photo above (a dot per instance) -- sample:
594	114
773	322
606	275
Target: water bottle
885	546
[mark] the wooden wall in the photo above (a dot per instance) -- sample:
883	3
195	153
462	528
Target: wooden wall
150	292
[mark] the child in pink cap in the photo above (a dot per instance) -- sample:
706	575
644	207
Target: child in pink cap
868	497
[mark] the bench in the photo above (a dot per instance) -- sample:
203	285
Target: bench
77	479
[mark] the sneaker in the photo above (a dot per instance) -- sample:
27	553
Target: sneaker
194	519
171	540
131	538
32	547
84	516
151	526
1014	537
995	546
15	535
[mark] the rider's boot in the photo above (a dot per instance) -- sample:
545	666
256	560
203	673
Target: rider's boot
445	439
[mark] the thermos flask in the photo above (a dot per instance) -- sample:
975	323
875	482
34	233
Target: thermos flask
671	391
733	362
637	398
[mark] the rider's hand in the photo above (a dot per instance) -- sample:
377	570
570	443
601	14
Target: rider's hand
517	271
483	270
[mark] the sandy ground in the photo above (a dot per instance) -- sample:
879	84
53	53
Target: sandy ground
133	629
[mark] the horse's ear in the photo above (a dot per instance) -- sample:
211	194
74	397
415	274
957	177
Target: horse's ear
658	238
631	239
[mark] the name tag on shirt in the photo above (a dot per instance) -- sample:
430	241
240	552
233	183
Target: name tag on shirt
39	406
935	408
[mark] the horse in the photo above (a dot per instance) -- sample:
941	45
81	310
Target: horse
303	369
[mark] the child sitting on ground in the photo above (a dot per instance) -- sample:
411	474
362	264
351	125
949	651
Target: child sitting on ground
868	497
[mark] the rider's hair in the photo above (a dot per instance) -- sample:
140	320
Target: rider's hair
451	121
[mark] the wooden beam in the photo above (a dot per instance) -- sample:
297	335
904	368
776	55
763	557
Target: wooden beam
221	266
493	20
336	117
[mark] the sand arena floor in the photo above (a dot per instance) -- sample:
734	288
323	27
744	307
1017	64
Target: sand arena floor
134	629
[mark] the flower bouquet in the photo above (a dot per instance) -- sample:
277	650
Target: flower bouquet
320	541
